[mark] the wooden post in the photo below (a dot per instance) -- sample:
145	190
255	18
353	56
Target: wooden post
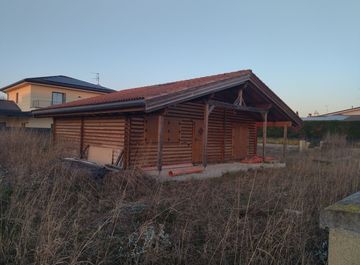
285	142
81	137
264	134
205	135
160	141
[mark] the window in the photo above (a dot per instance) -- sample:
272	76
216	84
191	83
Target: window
57	98
172	130
17	98
151	129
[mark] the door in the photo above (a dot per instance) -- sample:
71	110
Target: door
197	146
240	140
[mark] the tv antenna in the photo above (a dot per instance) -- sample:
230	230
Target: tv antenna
97	78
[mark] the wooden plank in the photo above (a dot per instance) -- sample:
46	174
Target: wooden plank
206	129
160	141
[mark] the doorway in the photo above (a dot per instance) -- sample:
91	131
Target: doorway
240	140
197	141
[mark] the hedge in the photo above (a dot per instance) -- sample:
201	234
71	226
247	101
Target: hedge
316	130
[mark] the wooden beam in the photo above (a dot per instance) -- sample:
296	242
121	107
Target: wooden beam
264	134
240	98
235	107
285	142
275	124
160	141
205	134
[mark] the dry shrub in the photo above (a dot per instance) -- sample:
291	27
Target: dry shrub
55	213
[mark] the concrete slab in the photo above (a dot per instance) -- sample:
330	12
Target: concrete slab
212	171
344	214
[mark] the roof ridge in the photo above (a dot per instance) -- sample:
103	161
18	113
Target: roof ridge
47	76
189	79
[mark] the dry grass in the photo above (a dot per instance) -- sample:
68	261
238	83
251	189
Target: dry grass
54	213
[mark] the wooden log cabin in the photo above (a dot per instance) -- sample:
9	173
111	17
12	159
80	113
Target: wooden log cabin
211	119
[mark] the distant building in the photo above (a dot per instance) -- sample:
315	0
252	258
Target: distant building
352	114
352	111
30	94
333	118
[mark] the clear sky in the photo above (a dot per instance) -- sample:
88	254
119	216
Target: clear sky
308	52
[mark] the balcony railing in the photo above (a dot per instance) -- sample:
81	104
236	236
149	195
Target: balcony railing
40	103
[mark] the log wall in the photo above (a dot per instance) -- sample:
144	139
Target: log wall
67	133
105	132
91	131
118	132
219	136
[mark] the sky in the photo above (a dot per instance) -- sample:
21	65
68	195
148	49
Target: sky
307	52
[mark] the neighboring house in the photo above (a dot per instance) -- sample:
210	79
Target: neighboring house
34	93
352	114
348	112
335	117
203	120
9	110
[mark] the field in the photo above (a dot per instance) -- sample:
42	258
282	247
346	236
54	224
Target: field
55	213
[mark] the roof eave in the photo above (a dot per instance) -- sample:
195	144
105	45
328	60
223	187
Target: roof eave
13	85
157	103
104	90
89	108
16	113
297	121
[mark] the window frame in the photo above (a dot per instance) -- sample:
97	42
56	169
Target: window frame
63	98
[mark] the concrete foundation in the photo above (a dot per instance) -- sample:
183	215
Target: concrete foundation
343	221
212	171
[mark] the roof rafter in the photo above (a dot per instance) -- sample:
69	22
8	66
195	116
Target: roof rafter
226	105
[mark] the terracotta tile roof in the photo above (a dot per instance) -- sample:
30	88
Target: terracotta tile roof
153	91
